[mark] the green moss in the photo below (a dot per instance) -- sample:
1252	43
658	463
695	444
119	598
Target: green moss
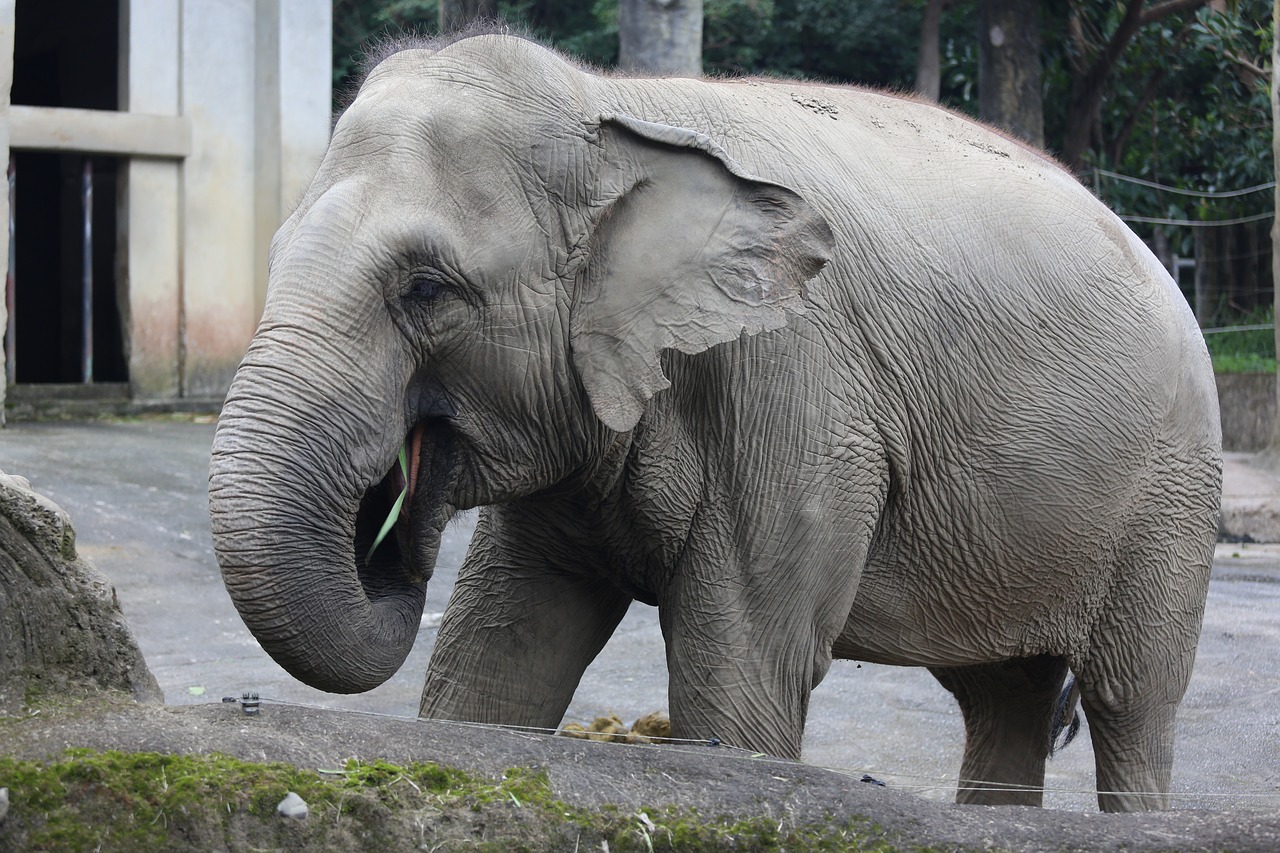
113	798
129	801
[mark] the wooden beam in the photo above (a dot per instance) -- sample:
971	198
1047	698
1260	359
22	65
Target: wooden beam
98	132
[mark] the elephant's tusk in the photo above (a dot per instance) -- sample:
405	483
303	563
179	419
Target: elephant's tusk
415	457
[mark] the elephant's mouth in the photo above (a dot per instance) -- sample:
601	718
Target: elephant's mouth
432	473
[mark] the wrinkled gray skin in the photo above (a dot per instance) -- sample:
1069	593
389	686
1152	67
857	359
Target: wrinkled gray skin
817	371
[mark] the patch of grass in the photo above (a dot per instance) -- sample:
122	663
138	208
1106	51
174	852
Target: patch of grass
148	801
114	800
1247	351
1250	363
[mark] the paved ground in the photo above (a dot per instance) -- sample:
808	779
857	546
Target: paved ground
136	492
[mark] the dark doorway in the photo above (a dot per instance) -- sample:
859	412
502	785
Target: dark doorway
65	55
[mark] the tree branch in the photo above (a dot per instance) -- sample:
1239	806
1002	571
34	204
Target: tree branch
1247	65
1160	11
1087	88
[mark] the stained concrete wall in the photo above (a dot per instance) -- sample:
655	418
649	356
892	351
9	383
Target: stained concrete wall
149	246
247	83
1248	404
294	102
218	185
256	86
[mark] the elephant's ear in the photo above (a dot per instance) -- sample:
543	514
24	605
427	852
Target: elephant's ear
686	251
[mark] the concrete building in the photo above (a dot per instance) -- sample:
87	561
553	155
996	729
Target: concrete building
154	146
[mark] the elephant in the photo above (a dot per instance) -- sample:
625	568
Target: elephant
820	372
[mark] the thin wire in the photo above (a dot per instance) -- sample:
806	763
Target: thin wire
1237	257
947	783
1241	220
704	742
1179	191
937	783
1255	328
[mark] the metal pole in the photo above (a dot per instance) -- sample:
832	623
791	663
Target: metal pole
10	339
86	305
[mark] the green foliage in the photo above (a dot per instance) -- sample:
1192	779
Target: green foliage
736	35
357	23
1206	127
959	58
584	29
818	39
1188	107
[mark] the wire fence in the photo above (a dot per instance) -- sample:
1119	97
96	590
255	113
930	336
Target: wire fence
1233	279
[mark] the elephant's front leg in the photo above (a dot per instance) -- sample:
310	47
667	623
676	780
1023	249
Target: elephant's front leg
738	693
516	637
745	650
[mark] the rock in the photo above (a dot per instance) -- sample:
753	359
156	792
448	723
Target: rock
60	623
293	806
4	803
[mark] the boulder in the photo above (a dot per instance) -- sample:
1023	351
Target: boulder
60	623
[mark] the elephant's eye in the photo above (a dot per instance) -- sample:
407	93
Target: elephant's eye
425	286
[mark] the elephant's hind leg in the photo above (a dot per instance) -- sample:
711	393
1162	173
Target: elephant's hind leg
1143	645
1131	682
1008	712
1130	688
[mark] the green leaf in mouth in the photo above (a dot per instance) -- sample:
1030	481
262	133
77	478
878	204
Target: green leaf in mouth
395	508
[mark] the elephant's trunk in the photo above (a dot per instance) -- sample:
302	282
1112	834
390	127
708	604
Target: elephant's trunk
296	497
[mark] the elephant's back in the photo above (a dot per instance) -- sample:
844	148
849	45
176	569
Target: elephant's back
984	294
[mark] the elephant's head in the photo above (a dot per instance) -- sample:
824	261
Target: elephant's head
484	272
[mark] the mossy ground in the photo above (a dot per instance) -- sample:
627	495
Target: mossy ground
148	801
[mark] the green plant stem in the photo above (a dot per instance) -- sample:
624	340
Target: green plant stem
394	515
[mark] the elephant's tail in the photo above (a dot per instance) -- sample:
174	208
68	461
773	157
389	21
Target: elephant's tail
1066	716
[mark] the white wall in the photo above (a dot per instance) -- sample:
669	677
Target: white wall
250	81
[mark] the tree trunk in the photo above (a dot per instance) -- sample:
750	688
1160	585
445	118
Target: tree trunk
1009	91
1208	249
660	37
929	63
458	14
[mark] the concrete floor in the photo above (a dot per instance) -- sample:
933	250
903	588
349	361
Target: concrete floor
136	493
